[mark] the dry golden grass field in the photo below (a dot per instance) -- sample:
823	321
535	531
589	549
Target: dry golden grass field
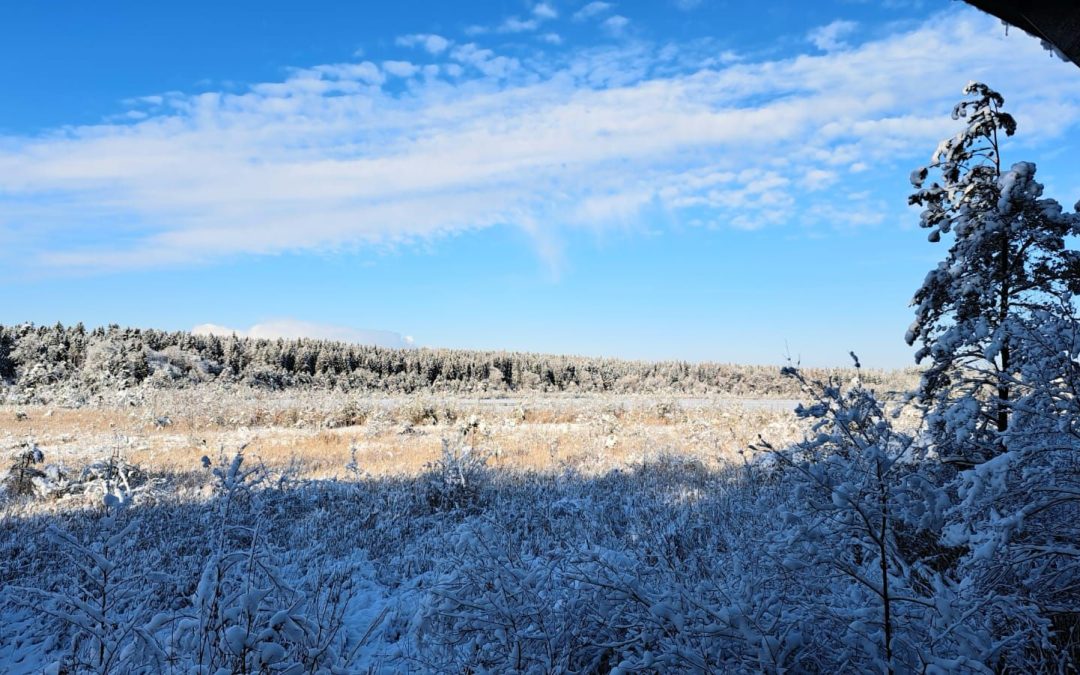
318	435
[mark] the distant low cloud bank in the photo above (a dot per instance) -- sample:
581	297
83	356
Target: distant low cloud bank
293	329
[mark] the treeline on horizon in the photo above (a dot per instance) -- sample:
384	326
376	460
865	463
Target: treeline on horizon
35	358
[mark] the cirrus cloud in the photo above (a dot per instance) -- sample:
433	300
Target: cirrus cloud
344	155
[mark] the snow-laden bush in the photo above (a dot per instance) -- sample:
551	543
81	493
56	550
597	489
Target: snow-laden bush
244	616
23	474
1018	514
494	607
863	536
102	609
248	610
459	477
641	571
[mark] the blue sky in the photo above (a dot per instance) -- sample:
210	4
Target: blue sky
699	180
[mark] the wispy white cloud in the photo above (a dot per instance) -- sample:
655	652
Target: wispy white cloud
592	9
818	179
342	155
292	329
400	68
486	61
515	25
615	24
539	13
545	11
433	44
831	36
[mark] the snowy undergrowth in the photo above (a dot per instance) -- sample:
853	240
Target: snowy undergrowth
382	574
671	566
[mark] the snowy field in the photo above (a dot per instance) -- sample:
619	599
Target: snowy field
228	530
316	434
371	534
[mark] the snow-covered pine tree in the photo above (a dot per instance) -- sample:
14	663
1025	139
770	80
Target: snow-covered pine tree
7	364
1008	260
1018	514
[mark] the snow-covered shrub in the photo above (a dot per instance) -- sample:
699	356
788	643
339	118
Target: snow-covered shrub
244	616
862	535
652	570
233	601
496	608
351	414
20	478
669	411
1018	514
425	411
458	478
116	470
103	612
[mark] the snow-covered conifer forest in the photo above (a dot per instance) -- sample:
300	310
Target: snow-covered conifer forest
175	503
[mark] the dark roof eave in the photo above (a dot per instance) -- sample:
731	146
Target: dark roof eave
1055	21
